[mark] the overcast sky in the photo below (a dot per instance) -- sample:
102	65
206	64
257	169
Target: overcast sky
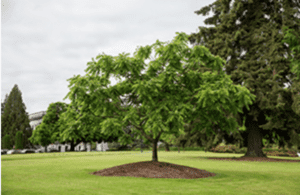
44	43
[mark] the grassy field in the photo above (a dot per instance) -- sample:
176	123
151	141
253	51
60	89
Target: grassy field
68	173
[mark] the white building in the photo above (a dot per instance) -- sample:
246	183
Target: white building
36	119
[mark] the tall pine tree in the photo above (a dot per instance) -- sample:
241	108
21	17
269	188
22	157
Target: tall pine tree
263	69
15	118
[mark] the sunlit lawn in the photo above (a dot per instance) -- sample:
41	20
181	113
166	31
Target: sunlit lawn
68	173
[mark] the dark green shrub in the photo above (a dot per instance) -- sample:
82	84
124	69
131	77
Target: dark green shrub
6	142
19	140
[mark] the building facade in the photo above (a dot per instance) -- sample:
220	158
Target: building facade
36	119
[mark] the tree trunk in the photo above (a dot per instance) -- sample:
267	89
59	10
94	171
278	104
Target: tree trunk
254	148
46	149
167	146
72	146
178	149
154	151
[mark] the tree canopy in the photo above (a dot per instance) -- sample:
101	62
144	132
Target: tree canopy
165	105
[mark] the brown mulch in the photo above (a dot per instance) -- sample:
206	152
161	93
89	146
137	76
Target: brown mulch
150	169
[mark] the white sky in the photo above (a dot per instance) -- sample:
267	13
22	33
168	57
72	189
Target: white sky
44	43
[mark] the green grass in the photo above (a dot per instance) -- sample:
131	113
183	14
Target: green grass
68	173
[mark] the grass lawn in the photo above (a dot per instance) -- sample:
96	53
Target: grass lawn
68	173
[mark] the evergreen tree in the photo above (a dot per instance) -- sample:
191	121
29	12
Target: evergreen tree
263	69
14	118
2	111
19	140
6	142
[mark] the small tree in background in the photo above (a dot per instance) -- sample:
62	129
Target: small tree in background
41	136
6	142
19	140
15	118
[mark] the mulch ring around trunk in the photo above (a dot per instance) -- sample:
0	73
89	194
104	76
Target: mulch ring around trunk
151	169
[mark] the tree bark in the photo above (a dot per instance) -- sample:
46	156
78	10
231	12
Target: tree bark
255	137
154	151
73	146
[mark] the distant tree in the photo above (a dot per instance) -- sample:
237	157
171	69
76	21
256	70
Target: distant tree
41	136
263	69
77	124
49	130
2	112
19	140
6	142
14	118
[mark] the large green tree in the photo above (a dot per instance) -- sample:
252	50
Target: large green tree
163	110
15	118
263	69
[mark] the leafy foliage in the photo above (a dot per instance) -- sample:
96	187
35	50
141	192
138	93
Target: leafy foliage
48	131
41	136
169	97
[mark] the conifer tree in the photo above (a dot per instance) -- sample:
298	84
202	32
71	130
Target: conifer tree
2	111
15	118
19	140
263	69
6	142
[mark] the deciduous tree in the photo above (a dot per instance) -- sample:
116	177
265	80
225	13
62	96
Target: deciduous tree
77	125
41	136
163	110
